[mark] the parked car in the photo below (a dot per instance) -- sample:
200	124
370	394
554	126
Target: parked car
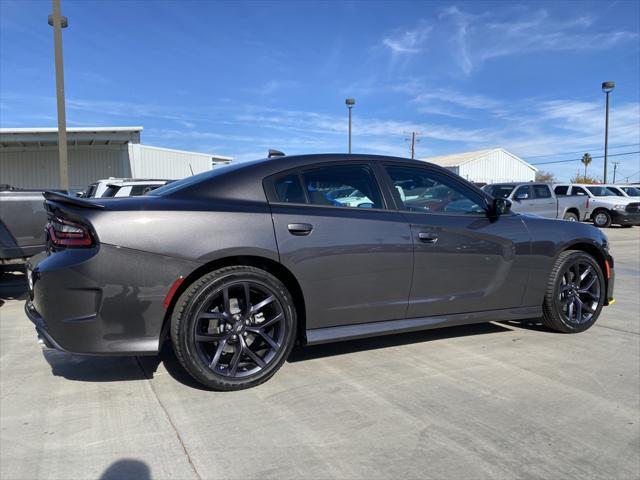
22	221
604	208
539	199
130	187
235	265
625	191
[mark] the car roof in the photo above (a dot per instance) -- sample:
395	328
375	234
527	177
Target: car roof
242	181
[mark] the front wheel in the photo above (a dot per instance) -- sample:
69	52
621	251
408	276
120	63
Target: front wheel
233	328
602	219
575	293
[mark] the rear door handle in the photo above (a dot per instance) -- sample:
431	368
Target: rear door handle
427	237
300	229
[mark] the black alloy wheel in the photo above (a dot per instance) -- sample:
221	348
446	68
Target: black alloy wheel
234	327
575	292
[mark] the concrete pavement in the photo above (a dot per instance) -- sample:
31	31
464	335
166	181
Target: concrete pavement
482	401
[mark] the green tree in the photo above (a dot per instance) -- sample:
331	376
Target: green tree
586	160
545	177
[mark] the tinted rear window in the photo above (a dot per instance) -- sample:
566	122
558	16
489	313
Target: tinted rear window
561	190
324	183
289	190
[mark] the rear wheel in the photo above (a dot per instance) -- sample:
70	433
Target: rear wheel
575	293
602	219
233	328
570	217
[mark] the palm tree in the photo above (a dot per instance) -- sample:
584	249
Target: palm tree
586	160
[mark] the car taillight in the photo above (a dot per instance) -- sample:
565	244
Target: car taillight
66	233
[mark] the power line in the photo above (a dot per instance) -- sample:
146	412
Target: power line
579	151
578	159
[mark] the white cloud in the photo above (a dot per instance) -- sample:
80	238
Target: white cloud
408	41
478	38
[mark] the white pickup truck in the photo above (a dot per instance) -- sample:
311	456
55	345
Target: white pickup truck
604	207
539	199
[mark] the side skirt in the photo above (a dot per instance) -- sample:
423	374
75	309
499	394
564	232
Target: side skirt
387	327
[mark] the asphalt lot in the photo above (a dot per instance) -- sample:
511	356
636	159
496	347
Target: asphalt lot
483	401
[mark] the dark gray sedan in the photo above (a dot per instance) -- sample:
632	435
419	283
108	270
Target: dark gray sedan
236	265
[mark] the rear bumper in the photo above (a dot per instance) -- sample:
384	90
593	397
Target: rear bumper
102	300
625	218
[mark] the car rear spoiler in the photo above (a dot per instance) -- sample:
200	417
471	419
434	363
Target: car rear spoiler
69	200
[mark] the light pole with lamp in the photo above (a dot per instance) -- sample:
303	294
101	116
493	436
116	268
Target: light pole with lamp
607	88
350	102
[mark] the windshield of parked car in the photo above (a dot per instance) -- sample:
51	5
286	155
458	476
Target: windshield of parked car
601	192
501	191
631	191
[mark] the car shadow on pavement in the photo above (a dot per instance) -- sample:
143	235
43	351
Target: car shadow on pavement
529	324
127	468
85	368
13	283
341	348
113	369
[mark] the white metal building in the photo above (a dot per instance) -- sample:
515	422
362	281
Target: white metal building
487	166
29	157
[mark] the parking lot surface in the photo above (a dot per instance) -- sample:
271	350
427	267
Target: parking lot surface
482	401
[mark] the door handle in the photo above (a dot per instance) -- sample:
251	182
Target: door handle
427	237
300	229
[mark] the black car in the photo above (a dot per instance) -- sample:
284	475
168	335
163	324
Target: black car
237	264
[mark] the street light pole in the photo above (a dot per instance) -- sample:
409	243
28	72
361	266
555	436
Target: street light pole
58	22
350	102
607	88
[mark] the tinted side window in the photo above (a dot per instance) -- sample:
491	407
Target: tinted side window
542	191
578	191
428	192
137	190
289	190
343	186
561	190
111	191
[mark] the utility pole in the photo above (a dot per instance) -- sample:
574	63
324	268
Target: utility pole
58	22
615	167
413	141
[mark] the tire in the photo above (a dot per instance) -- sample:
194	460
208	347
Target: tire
558	314
602	219
570	217
248	339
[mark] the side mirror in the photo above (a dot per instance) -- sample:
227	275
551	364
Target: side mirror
501	206
521	196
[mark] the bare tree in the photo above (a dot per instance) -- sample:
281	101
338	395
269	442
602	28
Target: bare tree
545	177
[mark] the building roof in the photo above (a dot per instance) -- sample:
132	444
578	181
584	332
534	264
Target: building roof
457	159
20	138
48	137
70	130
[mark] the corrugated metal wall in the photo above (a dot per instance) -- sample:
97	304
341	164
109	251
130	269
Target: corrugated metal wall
152	162
37	167
496	167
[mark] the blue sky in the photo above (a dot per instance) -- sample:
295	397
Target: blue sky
237	78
